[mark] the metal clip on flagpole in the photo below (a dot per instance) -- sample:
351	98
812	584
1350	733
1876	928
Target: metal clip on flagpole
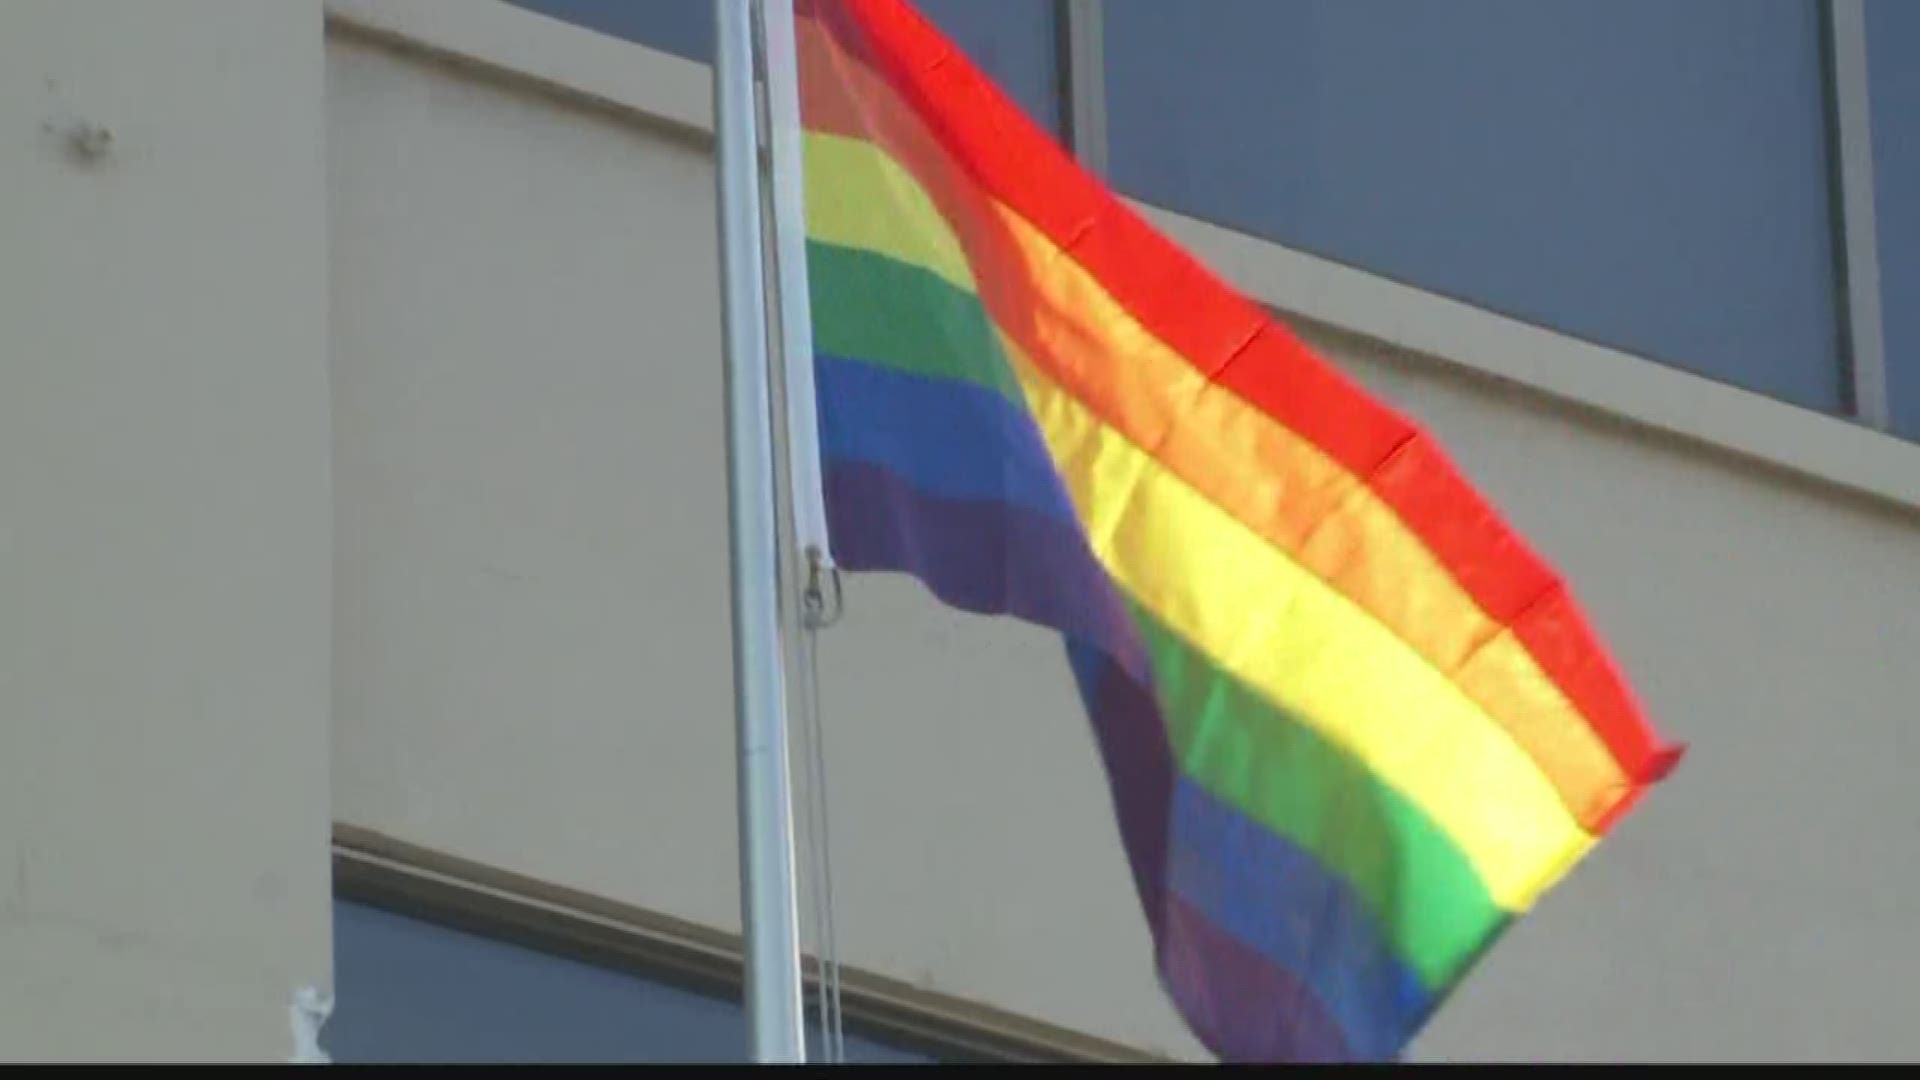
769	905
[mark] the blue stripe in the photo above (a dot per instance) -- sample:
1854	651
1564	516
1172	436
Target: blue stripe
963	443
948	439
979	555
1265	891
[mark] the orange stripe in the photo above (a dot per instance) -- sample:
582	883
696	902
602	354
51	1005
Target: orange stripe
1278	484
1240	347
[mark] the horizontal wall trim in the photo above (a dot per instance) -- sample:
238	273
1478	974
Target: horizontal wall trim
584	65
632	79
382	871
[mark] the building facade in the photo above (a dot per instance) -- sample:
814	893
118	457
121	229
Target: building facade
362	521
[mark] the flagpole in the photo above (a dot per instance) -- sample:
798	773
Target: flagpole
805	486
769	906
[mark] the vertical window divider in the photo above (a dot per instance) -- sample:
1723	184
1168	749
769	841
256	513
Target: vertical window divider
1859	259
1083	77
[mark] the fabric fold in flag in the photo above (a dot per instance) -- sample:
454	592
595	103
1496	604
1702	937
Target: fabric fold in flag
1352	725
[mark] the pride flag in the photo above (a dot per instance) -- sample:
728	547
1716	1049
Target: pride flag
1351	724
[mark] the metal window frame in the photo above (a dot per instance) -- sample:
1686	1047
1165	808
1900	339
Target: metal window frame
1856	232
393	875
1083	81
1857	287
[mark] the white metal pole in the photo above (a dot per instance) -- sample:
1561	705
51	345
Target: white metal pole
790	274
805	486
769	905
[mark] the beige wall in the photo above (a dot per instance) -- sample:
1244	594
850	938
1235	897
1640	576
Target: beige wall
164	513
1757	905
532	652
486	566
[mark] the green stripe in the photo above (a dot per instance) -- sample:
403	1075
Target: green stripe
869	307
1428	901
1236	744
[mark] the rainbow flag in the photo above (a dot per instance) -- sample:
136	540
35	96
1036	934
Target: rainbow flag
1351	724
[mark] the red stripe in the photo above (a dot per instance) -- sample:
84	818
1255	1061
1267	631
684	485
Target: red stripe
1239	346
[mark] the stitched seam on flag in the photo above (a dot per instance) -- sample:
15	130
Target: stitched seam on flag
1575	727
870	291
900	189
1416	842
1574	744
1131	478
1369	994
1503	861
1603	690
1288	758
1337	868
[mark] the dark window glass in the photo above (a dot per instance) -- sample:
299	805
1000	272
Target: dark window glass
681	27
1647	174
1011	40
412	991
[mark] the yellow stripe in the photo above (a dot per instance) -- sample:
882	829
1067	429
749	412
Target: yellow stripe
1293	496
859	197
1296	497
1285	633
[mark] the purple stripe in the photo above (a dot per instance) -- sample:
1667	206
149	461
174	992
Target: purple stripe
1279	900
1241	1006
982	556
992	558
1132	738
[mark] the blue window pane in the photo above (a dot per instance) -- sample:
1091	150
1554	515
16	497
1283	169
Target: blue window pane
412	991
681	27
1648	174
1893	105
1011	40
